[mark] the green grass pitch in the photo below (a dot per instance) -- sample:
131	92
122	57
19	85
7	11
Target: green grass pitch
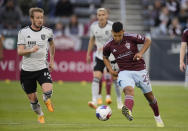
72	112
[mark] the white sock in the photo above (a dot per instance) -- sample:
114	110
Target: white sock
36	108
117	89
108	96
95	89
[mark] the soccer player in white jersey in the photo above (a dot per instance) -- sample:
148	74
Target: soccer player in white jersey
33	42
100	33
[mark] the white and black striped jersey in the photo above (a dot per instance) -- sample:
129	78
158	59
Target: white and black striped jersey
29	37
101	35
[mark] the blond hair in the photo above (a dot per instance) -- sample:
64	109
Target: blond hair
35	9
102	9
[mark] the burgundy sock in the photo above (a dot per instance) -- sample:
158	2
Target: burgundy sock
154	107
100	86
108	86
129	102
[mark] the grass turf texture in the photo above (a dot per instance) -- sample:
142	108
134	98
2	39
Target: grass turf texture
72	112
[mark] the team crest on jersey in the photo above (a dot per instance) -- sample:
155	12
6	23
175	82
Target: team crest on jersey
128	45
43	37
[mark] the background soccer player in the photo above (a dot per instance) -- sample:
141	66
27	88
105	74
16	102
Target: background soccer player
132	68
33	46
1	46
100	33
183	66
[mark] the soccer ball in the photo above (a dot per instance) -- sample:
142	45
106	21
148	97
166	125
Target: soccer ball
103	112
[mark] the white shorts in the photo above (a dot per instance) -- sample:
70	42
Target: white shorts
132	78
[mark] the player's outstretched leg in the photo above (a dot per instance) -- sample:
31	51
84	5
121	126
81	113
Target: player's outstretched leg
46	97
37	109
153	104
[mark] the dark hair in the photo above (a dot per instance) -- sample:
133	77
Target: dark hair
117	27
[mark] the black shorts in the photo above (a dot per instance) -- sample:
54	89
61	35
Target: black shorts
99	65
28	79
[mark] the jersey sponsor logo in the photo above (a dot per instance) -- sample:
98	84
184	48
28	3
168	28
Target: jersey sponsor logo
124	54
31	43
43	37
128	45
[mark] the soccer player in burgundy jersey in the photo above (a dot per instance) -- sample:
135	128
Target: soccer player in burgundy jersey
184	43
132	68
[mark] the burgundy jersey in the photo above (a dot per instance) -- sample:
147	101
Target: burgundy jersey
185	39
125	51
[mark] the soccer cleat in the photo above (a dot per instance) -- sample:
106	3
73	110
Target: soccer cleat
92	104
49	105
159	121
127	113
99	101
108	100
119	105
41	119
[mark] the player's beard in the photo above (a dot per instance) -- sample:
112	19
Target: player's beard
37	26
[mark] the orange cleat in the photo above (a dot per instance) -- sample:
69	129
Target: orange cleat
99	101
92	104
49	105
108	100
41	119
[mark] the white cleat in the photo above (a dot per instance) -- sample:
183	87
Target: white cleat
159	121
119	105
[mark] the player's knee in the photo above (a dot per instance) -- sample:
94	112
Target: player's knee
129	90
96	80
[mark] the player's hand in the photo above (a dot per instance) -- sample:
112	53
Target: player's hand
35	48
51	66
88	59
182	66
137	57
113	73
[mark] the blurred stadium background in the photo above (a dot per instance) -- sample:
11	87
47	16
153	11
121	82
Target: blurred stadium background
161	20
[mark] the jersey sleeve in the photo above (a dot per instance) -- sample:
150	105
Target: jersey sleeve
21	38
106	50
51	36
138	39
91	30
185	36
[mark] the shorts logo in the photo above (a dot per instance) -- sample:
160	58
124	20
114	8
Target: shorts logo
47	74
128	45
43	37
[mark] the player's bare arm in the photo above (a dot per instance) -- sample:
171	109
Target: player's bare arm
52	53
146	45
1	47
182	56
108	65
90	47
22	51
